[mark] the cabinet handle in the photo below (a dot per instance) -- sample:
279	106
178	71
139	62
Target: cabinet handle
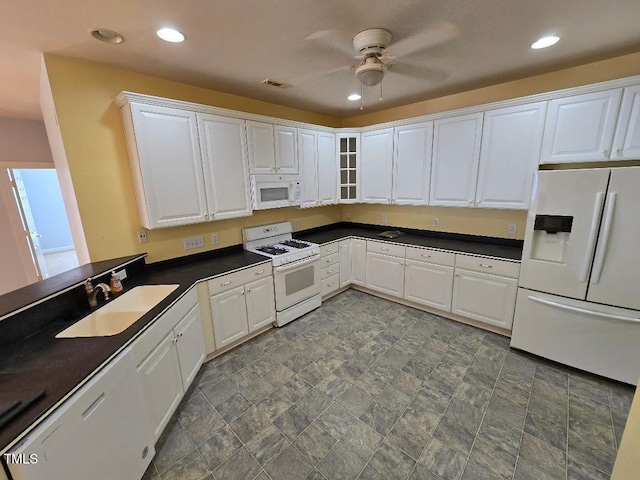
175	340
248	291
225	283
329	249
242	293
426	256
329	271
384	249
260	272
328	261
605	151
483	265
618	150
330	284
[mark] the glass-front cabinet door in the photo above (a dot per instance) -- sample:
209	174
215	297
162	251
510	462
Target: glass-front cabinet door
349	167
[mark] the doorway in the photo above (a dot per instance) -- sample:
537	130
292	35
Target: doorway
44	222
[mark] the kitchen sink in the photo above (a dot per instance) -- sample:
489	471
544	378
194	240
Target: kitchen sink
120	313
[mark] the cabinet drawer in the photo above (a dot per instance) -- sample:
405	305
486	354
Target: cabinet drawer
233	280
431	256
162	326
328	249
487	265
330	260
326	272
330	284
385	248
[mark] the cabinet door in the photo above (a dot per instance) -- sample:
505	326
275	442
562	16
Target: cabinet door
428	284
286	149
344	248
412	164
327	169
358	261
580	128
169	174
224	152
487	298
307	144
348	153
190	343
262	156
261	307
511	142
385	274
456	152
377	161
626	141
229	313
161	383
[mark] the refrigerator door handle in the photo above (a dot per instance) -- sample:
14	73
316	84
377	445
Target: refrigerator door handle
593	313
598	261
593	233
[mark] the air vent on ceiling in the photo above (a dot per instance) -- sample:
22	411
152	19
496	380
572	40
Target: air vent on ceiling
274	83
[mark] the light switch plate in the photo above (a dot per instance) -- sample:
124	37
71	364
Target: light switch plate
436	222
214	239
383	218
513	228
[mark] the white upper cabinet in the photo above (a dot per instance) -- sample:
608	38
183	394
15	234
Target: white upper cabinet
377	161
580	128
626	141
412	164
511	141
348	153
165	164
224	154
327	169
262	156
456	152
308	154
286	149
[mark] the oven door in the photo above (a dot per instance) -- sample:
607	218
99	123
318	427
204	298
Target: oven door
296	282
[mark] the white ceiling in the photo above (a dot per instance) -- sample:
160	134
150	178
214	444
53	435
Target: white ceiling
233	45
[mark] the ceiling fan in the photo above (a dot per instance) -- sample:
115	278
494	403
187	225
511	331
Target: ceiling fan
375	55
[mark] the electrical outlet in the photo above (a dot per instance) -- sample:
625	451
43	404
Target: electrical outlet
122	274
383	218
436	222
296	223
193	242
214	239
348	215
142	236
513	228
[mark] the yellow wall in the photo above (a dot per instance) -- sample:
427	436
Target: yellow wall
611	69
475	221
95	146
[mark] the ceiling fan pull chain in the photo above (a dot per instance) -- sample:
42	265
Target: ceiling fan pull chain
361	96
381	90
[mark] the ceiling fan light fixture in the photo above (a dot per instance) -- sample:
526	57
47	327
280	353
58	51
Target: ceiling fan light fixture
354	97
545	42
371	71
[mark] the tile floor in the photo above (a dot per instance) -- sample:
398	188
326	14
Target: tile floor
369	389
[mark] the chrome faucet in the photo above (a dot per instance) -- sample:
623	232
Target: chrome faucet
92	292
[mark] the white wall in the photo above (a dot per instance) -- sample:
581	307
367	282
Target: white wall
24	141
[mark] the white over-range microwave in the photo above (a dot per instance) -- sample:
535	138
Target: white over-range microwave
273	191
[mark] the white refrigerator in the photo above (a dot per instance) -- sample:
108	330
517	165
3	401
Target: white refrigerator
578	297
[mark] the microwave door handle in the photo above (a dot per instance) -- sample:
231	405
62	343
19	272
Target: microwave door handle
593	234
598	261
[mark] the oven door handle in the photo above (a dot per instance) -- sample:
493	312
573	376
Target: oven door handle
296	264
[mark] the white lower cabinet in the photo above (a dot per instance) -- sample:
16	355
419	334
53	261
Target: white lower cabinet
358	262
240	310
428	284
484	297
344	248
190	344
100	431
385	274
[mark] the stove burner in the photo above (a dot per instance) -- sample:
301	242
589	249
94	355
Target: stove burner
272	250
294	244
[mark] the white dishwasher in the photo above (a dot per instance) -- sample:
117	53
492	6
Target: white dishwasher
100	432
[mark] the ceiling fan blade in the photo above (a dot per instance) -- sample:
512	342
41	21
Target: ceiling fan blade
416	71
301	81
436	34
333	40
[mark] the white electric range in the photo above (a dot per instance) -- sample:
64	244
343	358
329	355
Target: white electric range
296	268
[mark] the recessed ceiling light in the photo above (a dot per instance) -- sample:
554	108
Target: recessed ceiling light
545	42
170	35
106	35
353	97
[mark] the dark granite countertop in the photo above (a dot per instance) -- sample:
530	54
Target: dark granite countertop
491	247
59	366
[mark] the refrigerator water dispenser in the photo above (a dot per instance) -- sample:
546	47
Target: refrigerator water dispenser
550	237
